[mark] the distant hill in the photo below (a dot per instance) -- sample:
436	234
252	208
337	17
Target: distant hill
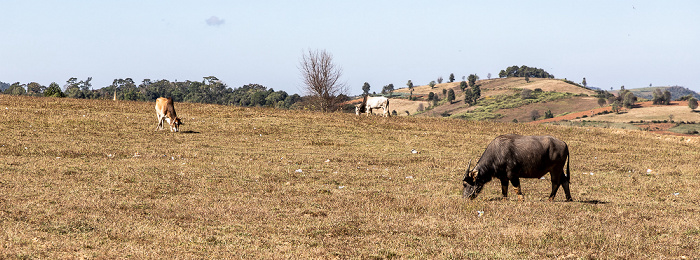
493	90
676	92
4	86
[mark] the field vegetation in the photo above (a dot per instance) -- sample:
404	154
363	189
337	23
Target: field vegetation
92	179
488	107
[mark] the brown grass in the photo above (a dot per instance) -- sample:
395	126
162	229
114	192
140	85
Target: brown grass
92	179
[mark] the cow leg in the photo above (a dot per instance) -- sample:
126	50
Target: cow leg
159	126
518	190
504	187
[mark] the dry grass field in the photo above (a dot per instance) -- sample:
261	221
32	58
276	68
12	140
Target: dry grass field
92	179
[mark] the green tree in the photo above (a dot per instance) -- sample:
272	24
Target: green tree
35	89
548	114
601	102
409	84
432	84
452	77
468	96
72	88
16	89
472	79
54	90
276	99
450	95
462	85
502	74
365	89
431	95
657	97
476	92
692	103
388	89
667	97
629	100
685	98
439	80
584	83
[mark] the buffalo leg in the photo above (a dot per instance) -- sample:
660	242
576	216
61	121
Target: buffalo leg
518	190
565	185
504	187
555	187
561	180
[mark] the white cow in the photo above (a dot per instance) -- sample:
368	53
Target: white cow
371	103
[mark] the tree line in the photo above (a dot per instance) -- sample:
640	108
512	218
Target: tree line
524	71
210	90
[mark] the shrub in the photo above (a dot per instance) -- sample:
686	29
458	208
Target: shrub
534	114
548	114
692	103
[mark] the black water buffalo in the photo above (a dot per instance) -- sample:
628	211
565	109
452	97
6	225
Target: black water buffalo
511	157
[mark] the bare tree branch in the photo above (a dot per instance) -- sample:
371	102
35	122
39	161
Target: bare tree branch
322	79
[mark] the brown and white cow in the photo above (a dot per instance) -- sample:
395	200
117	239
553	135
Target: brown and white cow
166	111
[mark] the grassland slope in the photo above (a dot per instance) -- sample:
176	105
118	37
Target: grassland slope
491	88
92	179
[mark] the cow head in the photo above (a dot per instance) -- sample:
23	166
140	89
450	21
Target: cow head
472	182
175	125
362	107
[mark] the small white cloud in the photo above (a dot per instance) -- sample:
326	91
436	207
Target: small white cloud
215	21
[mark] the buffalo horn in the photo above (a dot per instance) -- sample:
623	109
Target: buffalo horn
468	170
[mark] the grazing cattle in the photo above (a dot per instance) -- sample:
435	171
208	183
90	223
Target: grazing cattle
166	111
511	157
369	103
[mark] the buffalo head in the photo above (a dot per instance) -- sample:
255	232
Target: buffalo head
472	182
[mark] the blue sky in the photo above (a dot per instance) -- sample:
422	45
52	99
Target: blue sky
610	43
